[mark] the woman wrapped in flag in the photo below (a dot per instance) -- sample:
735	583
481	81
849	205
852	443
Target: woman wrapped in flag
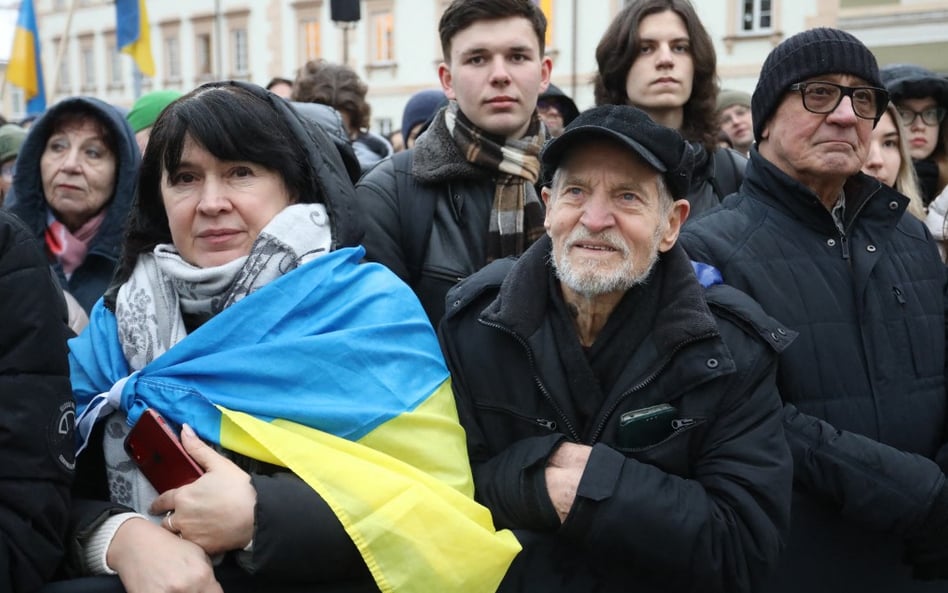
308	386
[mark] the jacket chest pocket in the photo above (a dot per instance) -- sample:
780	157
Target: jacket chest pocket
675	453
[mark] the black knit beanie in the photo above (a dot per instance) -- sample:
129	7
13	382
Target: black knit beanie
805	55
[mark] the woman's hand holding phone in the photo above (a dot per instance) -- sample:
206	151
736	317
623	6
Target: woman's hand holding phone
216	511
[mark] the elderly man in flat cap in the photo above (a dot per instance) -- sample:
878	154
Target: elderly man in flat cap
623	421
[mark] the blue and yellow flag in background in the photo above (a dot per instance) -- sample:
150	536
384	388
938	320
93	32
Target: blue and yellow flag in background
133	37
25	68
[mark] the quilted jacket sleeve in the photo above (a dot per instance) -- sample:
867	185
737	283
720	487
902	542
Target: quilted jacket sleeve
36	413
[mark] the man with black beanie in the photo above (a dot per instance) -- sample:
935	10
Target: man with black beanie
621	419
826	249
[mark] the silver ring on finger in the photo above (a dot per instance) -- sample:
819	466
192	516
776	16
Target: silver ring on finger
170	517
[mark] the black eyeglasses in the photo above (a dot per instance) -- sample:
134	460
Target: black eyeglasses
931	117
868	102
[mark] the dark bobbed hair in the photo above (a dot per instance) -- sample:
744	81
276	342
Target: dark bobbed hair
336	85
461	14
620	46
233	123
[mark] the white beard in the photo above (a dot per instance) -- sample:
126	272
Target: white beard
589	277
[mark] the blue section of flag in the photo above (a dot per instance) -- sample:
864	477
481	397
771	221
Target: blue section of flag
334	345
127	19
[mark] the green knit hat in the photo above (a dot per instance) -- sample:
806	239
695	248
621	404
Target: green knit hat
148	107
11	138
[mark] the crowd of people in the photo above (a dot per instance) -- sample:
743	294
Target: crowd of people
686	339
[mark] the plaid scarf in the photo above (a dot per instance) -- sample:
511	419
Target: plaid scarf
516	219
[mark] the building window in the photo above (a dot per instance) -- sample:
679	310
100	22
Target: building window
239	52
63	84
87	57
202	51
312	40
173	58
382	33
115	64
756	16
16	100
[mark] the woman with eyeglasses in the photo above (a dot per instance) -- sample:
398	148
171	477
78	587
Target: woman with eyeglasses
921	98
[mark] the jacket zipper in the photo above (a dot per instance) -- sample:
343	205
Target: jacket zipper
898	295
453	278
644	383
571	430
844	235
542	422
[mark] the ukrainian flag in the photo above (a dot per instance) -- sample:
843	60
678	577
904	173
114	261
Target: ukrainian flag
132	36
334	372
25	69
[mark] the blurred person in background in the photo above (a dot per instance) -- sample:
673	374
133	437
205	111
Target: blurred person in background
889	160
921	97
11	139
556	109
338	86
74	187
141	117
281	87
419	110
733	110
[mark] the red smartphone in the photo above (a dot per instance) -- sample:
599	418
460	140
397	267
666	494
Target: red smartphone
159	454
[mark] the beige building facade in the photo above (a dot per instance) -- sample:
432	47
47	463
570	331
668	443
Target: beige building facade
394	45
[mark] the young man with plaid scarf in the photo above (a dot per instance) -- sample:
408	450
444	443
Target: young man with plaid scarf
465	194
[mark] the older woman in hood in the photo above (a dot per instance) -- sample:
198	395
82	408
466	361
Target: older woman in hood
74	185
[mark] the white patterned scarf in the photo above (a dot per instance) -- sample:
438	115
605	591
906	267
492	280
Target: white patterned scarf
151	305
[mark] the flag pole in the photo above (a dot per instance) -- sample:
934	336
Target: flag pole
63	42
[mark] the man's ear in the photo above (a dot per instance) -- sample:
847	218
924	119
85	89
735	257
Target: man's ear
677	215
546	193
546	69
444	75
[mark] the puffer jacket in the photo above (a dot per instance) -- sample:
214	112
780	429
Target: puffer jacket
705	509
37	443
27	199
863	385
426	213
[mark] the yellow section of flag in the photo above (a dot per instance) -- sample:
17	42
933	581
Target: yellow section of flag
417	533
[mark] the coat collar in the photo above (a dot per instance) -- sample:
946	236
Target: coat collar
865	196
523	300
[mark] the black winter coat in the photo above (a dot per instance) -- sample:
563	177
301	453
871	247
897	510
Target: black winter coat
37	443
863	385
703	510
427	213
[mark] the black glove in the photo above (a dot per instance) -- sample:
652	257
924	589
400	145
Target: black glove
928	552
